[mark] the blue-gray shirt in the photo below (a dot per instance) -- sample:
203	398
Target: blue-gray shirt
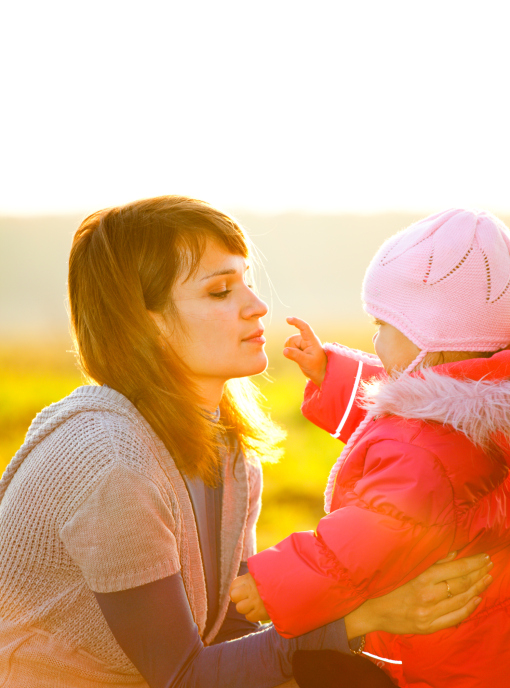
154	626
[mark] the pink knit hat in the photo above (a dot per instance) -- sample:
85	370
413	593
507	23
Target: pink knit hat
444	282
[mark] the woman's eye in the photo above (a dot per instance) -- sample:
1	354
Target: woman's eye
220	294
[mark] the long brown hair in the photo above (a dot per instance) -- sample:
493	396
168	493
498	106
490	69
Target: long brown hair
123	263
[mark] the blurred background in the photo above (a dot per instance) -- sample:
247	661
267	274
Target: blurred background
323	128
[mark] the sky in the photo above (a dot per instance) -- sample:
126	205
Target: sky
269	106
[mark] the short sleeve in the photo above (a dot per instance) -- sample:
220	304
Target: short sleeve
122	535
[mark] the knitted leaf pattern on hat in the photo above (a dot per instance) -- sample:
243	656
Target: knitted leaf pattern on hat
444	282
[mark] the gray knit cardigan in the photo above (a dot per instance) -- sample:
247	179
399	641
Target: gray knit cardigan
93	501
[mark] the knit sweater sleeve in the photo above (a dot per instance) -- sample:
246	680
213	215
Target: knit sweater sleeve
122	535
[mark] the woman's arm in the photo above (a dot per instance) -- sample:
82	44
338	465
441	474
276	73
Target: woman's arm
154	626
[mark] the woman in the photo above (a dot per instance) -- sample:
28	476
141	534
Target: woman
132	504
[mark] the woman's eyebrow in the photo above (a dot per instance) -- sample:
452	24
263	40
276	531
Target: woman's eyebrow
217	273
230	271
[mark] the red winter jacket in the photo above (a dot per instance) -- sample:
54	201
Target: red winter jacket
416	485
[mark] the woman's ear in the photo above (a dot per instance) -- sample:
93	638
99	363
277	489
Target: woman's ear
159	320
165	326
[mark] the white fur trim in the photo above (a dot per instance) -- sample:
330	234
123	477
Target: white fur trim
478	408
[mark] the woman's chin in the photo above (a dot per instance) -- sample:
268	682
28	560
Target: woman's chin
253	367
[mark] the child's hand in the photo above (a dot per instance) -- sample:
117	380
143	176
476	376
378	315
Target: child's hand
306	350
244	594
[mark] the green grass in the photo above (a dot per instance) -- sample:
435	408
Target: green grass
31	377
293	488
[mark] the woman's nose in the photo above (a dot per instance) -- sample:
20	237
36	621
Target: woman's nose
256	308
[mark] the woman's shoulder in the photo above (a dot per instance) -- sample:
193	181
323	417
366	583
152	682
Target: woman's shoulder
83	437
99	420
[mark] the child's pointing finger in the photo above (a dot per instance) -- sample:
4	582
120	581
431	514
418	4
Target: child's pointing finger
305	329
306	350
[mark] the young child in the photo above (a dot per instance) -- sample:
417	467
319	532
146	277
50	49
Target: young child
425	470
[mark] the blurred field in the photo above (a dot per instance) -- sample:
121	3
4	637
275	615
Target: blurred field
35	374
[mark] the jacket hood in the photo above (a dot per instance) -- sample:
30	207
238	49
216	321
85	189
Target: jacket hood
472	396
83	399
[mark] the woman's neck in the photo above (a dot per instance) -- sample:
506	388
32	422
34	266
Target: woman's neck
210	392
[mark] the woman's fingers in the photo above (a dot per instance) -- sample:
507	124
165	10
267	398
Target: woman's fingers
451	604
454	617
438	591
452	610
449	557
446	582
462	583
457	569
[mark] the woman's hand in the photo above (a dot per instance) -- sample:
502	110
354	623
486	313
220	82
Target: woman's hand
244	594
306	350
442	596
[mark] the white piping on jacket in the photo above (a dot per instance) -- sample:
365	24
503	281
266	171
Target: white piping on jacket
351	401
383	659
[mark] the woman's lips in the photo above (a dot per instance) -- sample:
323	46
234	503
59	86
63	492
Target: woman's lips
256	338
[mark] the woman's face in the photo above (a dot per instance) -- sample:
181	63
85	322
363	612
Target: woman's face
220	333
394	349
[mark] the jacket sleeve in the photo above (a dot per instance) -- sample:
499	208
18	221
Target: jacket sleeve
392	524
334	405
